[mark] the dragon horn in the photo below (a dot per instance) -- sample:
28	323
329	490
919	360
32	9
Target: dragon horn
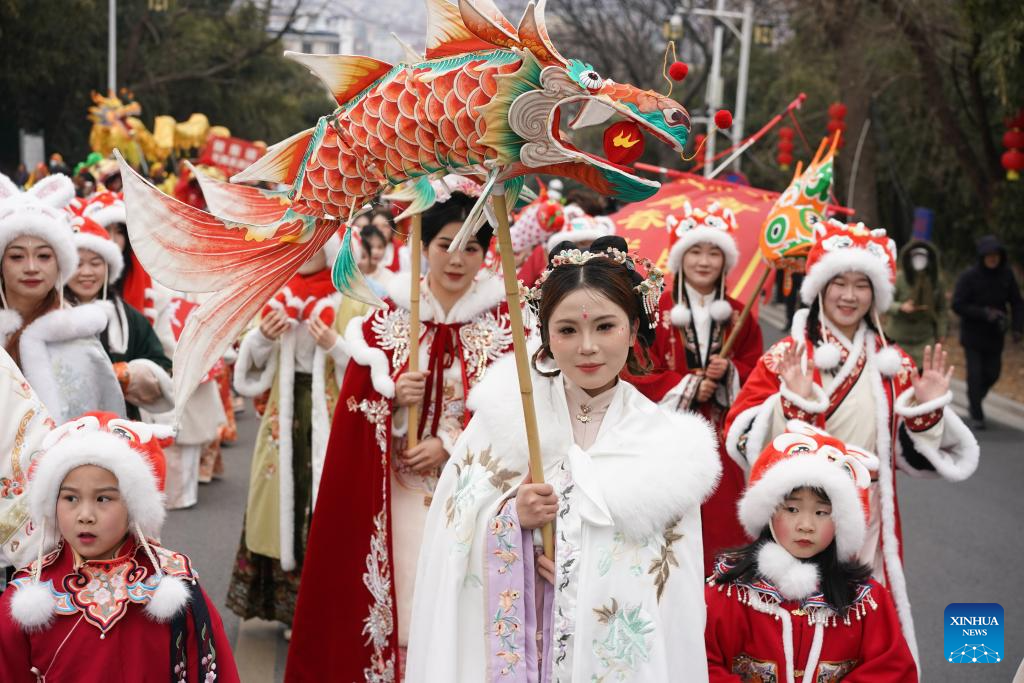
533	34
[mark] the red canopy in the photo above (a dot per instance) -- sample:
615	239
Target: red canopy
643	223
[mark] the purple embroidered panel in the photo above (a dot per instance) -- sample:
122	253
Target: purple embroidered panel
511	594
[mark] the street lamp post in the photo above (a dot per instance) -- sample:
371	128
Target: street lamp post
112	47
725	20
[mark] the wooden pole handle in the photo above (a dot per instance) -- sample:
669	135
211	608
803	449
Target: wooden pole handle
415	247
734	333
515	313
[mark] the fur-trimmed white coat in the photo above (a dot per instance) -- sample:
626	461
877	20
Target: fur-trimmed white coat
63	360
264	365
625	504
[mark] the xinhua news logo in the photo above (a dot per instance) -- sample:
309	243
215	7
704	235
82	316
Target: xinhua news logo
974	632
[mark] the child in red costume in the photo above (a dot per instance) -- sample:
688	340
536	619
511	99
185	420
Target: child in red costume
795	605
689	371
102	602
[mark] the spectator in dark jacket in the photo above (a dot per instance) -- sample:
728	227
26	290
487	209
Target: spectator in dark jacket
989	304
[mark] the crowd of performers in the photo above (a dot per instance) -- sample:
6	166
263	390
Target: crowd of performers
720	512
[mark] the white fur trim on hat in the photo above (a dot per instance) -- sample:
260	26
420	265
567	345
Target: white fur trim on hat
32	605
106	248
108	215
50	225
794	578
761	499
827	356
845	261
691	238
135	478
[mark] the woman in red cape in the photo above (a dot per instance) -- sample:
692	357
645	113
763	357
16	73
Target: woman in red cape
355	597
838	372
689	372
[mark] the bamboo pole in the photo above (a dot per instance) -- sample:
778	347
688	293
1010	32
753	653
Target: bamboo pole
415	246
515	313
734	333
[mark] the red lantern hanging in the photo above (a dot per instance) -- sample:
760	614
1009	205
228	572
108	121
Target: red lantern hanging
784	157
1013	140
836	121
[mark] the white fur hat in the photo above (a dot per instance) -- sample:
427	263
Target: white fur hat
39	213
841	248
113	444
805	456
92	236
714	225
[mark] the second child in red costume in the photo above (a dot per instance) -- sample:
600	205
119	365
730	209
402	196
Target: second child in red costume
355	598
796	605
689	372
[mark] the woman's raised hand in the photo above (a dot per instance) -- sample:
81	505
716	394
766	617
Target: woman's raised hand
274	324
935	375
792	372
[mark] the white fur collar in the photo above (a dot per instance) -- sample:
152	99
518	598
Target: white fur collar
56	326
487	292
645	485
10	322
794	578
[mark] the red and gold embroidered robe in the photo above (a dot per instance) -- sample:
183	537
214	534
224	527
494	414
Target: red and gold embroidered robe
746	645
346	622
101	632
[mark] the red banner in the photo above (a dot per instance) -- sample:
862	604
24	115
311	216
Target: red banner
643	223
231	154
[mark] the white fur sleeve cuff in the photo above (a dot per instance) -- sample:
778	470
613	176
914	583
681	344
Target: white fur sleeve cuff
953	451
815	405
681	395
907	407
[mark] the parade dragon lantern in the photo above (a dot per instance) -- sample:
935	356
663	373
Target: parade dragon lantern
115	125
485	100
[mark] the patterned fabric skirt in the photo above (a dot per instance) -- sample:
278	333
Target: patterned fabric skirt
259	587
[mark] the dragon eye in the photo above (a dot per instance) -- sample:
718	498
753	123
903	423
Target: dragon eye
591	80
676	117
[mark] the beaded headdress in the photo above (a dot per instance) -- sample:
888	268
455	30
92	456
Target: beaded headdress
648	288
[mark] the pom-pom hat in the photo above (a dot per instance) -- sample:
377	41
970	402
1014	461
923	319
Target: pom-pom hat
130	451
840	248
88	234
805	456
39	213
714	225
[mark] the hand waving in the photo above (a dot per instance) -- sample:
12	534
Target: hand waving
934	379
791	371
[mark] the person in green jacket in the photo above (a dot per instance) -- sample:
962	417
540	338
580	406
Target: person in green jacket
129	340
918	315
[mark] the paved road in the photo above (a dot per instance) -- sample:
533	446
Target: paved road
953	535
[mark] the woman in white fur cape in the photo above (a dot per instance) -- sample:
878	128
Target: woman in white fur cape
621	600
